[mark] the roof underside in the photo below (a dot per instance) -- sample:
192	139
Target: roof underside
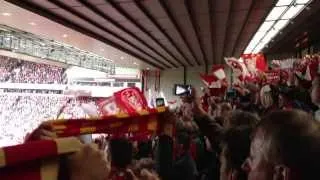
163	33
307	22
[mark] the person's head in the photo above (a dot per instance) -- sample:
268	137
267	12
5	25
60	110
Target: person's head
189	126
315	91
187	111
241	118
266	96
284	96
121	152
214	110
183	143
285	146
226	109
235	146
144	149
301	83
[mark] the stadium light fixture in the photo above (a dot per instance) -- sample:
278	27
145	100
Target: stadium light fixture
6	14
273	32
303	1
276	13
293	11
258	47
266	26
284	2
32	23
277	19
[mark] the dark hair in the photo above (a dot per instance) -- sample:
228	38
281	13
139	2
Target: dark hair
190	127
184	139
235	143
144	149
121	152
243	118
286	92
293	140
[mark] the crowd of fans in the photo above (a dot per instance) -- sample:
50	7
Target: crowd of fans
257	132
80	107
18	71
275	136
40	91
20	114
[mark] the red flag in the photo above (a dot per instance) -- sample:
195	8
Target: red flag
272	77
132	100
218	71
255	62
109	107
208	80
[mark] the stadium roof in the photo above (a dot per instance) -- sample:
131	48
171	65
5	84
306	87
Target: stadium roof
10	15
163	33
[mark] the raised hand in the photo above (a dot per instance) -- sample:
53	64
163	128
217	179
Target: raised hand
89	164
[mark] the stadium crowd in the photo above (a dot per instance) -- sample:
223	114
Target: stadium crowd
18	71
21	113
226	144
261	132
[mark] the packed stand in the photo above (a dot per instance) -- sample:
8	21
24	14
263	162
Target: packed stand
20	114
18	71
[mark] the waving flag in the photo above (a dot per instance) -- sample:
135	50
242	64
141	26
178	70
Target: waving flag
218	71
254	62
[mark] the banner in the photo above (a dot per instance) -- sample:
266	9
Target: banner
250	63
215	82
239	69
209	80
36	160
131	100
307	68
115	125
312	68
109	107
254	62
261	64
272	77
218	71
